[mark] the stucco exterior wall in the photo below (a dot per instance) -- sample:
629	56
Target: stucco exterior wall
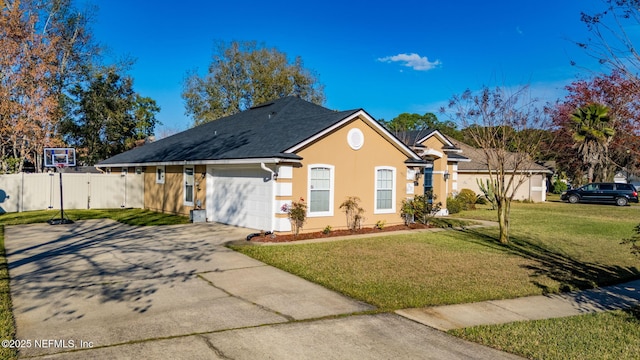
533	188
169	197
354	175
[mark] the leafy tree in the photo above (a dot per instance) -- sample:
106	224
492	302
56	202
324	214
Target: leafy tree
407	127
592	132
498	122
28	104
618	94
45	46
243	74
109	117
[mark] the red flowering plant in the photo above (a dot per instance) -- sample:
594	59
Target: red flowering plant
297	213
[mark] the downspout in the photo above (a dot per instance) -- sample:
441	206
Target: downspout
273	195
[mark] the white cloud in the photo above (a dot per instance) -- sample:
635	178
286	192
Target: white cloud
413	60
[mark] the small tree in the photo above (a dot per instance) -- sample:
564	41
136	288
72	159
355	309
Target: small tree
353	211
297	214
593	132
499	122
634	241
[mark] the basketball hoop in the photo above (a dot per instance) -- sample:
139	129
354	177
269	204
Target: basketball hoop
55	157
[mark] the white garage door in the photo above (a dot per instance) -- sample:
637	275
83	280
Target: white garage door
241	197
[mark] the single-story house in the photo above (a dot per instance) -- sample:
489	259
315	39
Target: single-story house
533	175
243	168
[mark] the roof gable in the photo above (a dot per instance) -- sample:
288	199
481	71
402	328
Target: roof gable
364	116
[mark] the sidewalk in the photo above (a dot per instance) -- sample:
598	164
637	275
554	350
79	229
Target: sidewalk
615	297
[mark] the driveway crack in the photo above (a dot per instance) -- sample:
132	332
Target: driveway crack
288	317
210	345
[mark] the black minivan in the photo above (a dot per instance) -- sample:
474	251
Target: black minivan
620	194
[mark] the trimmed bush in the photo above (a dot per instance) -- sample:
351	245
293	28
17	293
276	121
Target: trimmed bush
467	199
559	187
454	205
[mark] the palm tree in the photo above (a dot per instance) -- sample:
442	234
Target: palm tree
593	131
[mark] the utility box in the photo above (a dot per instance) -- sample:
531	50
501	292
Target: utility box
197	216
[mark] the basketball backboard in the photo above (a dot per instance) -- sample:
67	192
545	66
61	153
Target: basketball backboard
54	157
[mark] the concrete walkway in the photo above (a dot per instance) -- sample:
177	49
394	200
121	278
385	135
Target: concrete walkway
616	297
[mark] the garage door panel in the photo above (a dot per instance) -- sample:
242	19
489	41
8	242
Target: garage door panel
240	197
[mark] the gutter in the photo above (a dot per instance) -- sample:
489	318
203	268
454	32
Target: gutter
246	161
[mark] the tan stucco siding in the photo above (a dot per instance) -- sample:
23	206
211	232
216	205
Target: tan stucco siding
354	174
441	188
169	197
533	188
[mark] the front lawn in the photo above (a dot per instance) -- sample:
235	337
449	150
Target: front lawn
555	247
609	335
127	216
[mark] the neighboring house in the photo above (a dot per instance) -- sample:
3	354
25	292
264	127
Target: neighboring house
534	187
243	168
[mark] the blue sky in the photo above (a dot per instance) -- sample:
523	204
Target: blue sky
387	58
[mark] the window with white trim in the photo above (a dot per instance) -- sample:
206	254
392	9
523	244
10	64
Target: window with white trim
320	195
385	190
159	174
188	186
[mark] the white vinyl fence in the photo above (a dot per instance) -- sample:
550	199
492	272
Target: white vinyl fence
25	192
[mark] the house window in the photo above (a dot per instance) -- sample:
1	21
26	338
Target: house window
385	195
160	175
320	190
188	186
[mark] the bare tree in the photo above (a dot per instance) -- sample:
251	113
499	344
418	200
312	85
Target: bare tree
507	127
611	42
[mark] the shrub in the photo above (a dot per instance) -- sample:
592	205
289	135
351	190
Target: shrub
559	186
419	209
327	230
634	241
467	199
454	205
353	211
297	214
487	189
380	224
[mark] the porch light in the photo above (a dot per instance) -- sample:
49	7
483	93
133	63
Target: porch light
446	175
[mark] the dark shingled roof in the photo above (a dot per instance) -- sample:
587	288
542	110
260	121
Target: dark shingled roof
264	131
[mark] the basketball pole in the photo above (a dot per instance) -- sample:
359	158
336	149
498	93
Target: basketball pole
63	219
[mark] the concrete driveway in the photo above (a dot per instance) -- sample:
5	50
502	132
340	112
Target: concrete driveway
101	289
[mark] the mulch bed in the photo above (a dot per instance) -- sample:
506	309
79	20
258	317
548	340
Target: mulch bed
334	233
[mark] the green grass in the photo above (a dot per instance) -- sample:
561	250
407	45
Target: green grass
7	324
609	335
555	247
127	216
